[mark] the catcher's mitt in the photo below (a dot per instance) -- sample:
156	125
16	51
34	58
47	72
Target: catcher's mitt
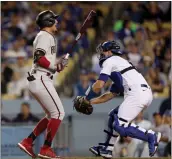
82	106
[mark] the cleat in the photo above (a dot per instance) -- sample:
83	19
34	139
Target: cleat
106	153
26	146
96	150
153	143
100	151
47	153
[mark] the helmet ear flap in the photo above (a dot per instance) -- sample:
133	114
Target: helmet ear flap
111	46
49	22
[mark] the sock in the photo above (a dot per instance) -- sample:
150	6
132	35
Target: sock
52	128
40	127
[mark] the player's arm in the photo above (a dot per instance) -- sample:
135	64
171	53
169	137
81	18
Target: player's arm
115	89
103	98
95	89
41	60
41	49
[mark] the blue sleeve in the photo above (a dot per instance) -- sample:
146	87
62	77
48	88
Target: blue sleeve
117	87
103	77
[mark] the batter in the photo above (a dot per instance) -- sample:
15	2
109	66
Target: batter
41	85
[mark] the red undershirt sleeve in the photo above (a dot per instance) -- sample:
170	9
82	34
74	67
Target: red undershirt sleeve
43	62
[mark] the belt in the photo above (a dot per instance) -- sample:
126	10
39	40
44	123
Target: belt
142	85
47	73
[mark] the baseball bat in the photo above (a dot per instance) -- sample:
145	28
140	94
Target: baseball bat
87	23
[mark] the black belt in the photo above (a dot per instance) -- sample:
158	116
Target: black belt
142	85
47	73
32	78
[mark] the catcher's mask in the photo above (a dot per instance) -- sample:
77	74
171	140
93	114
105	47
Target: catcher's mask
107	46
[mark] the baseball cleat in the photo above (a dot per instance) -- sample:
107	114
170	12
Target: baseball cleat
26	146
153	143
106	153
96	150
47	153
100	151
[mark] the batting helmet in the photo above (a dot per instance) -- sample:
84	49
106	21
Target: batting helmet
46	19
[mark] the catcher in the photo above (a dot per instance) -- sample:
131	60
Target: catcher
137	96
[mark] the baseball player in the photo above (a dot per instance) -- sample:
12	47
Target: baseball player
41	84
137	96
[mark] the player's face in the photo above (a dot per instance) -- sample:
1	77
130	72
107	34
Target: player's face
106	54
102	55
54	27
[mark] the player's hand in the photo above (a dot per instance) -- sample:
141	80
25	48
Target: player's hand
62	64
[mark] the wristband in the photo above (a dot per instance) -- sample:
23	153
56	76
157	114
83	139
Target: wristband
90	94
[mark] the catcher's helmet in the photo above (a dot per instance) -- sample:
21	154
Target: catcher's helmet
46	19
107	46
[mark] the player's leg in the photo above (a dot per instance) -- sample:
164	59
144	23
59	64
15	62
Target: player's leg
105	149
111	135
50	99
27	143
128	110
42	124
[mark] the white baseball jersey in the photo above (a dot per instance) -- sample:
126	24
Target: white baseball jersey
117	64
41	87
47	43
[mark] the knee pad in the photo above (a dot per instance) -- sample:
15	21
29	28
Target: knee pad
111	118
114	111
124	128
118	126
110	122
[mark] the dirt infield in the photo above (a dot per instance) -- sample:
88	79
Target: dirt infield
114	158
102	158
